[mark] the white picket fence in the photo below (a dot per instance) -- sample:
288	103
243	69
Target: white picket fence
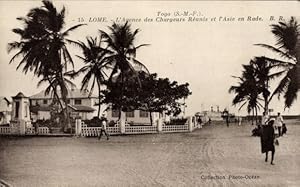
175	128
28	131
140	129
113	130
94	131
5	130
41	131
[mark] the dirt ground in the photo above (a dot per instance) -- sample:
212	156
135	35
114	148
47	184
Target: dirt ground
215	155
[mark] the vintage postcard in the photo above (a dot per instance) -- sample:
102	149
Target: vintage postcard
149	93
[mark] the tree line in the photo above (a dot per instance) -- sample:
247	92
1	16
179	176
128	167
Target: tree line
110	64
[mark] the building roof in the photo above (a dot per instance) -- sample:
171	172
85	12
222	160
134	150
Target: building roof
20	95
72	94
6	99
5	106
81	108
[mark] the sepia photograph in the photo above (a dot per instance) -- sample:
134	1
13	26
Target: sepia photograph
149	93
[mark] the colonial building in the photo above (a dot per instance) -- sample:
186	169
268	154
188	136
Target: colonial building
136	117
79	103
5	110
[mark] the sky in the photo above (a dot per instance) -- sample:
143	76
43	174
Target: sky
205	54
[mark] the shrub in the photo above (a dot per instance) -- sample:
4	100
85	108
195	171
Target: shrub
177	121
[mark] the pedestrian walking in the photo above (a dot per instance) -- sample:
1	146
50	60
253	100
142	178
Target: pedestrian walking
103	128
278	124
227	120
268	140
36	128
284	129
226	115
199	122
240	120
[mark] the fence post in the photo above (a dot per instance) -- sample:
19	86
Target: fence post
122	122
78	127
159	125
190	123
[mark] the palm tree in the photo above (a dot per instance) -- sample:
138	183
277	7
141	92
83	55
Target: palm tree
42	46
247	92
120	41
263	73
95	59
287	35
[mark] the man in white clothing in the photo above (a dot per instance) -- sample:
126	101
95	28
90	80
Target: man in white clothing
103	127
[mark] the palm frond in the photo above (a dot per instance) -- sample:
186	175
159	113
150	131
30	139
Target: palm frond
292	88
66	33
278	51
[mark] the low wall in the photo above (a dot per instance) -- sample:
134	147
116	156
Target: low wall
95	131
83	130
159	128
5	130
28	131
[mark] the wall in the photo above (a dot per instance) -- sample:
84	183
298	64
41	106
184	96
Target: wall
136	119
44	115
85	115
40	102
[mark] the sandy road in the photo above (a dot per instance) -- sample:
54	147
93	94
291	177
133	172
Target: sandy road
212	156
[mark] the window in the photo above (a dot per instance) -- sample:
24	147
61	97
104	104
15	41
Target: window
68	101
45	101
115	113
77	101
17	109
144	114
130	114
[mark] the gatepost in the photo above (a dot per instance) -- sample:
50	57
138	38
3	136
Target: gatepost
122	122
78	126
190	123
159	125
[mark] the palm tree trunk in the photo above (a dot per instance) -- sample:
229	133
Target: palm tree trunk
56	95
266	107
64	95
298	73
298	60
121	95
151	120
255	115
99	98
67	116
252	117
